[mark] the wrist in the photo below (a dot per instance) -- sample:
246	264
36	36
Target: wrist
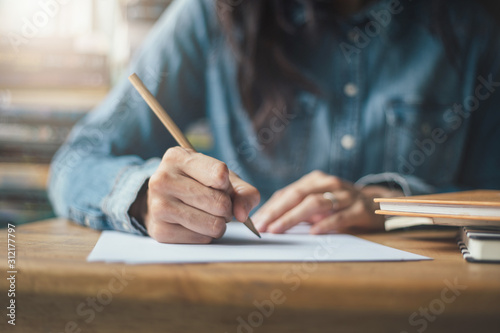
138	209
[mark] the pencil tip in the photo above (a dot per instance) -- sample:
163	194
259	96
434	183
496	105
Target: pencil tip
252	228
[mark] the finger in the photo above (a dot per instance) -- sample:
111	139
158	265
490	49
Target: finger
165	232
310	206
245	198
289	197
340	199
279	203
177	212
212	201
205	169
317	217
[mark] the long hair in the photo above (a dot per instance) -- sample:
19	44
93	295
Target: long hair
260	33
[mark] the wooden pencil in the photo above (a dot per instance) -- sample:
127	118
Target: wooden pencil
171	126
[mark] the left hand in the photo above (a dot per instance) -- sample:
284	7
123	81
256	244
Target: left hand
352	209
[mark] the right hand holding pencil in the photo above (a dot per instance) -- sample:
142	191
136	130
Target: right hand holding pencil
191	197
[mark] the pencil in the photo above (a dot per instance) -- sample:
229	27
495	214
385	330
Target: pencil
171	126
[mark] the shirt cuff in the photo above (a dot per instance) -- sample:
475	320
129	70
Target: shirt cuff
117	204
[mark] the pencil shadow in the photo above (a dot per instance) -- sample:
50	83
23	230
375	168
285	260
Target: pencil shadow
246	242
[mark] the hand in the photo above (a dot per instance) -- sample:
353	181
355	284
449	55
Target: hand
191	197
303	201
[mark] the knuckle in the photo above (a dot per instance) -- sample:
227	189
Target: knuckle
222	203
220	174
161	209
157	181
313	201
155	206
296	195
158	233
218	227
173	153
165	181
154	180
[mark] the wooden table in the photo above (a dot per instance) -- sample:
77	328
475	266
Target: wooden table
58	291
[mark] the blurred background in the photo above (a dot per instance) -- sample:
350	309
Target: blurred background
58	59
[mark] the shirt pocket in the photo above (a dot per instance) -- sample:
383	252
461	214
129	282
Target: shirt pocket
422	141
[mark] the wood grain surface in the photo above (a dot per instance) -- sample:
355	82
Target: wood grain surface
58	291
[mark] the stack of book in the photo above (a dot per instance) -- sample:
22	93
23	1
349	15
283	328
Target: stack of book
476	212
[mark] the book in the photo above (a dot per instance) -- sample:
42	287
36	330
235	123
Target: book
478	207
480	244
415	222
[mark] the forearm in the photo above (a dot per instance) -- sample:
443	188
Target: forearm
97	191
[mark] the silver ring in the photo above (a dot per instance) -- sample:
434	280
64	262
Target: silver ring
333	199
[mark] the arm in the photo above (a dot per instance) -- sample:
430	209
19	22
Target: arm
97	173
352	207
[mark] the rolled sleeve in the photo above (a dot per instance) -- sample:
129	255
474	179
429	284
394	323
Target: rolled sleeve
96	175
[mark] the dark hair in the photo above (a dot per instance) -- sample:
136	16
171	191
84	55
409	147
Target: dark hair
262	31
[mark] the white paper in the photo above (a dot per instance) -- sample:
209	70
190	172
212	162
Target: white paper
240	245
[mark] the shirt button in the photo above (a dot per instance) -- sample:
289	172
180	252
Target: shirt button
348	142
351	89
426	129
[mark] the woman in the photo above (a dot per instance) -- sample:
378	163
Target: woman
321	105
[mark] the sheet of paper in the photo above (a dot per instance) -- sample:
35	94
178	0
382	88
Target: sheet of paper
240	245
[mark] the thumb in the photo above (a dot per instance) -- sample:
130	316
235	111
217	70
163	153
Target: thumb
245	198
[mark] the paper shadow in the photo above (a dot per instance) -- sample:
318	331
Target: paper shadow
234	241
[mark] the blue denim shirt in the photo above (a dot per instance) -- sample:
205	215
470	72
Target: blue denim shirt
395	111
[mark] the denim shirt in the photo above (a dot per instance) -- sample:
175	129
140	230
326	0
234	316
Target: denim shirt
395	110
